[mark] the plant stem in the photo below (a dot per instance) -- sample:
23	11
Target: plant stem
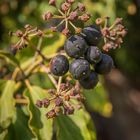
50	76
68	11
106	22
14	75
59	83
72	25
27	83
18	85
66	24
21	101
58	17
61	12
38	48
33	66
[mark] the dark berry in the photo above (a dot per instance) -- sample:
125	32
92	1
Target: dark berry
105	65
75	46
90	82
80	69
91	34
93	55
59	65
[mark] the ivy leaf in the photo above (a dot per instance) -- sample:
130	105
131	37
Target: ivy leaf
52	45
2	85
3	134
41	79
9	57
75	127
97	100
20	127
7	104
40	125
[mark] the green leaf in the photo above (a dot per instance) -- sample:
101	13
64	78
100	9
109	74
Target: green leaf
7	104
21	128
40	125
41	79
97	100
75	127
51	45
3	134
9	57
2	85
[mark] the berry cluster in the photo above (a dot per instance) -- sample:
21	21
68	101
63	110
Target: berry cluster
64	101
113	35
23	37
88	61
68	16
81	56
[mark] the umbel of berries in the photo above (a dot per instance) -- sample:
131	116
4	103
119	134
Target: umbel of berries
105	65
59	65
75	46
80	69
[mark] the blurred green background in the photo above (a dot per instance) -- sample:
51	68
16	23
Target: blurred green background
123	84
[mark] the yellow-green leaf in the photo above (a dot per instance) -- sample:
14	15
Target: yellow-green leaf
75	127
40	125
7	104
3	134
9	57
97	100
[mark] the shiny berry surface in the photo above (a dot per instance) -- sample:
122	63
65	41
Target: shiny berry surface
92	35
75	46
90	82
59	65
80	68
105	65
93	55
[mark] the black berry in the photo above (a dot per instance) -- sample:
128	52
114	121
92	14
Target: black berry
93	55
75	46
90	82
92	35
80	69
59	65
105	65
